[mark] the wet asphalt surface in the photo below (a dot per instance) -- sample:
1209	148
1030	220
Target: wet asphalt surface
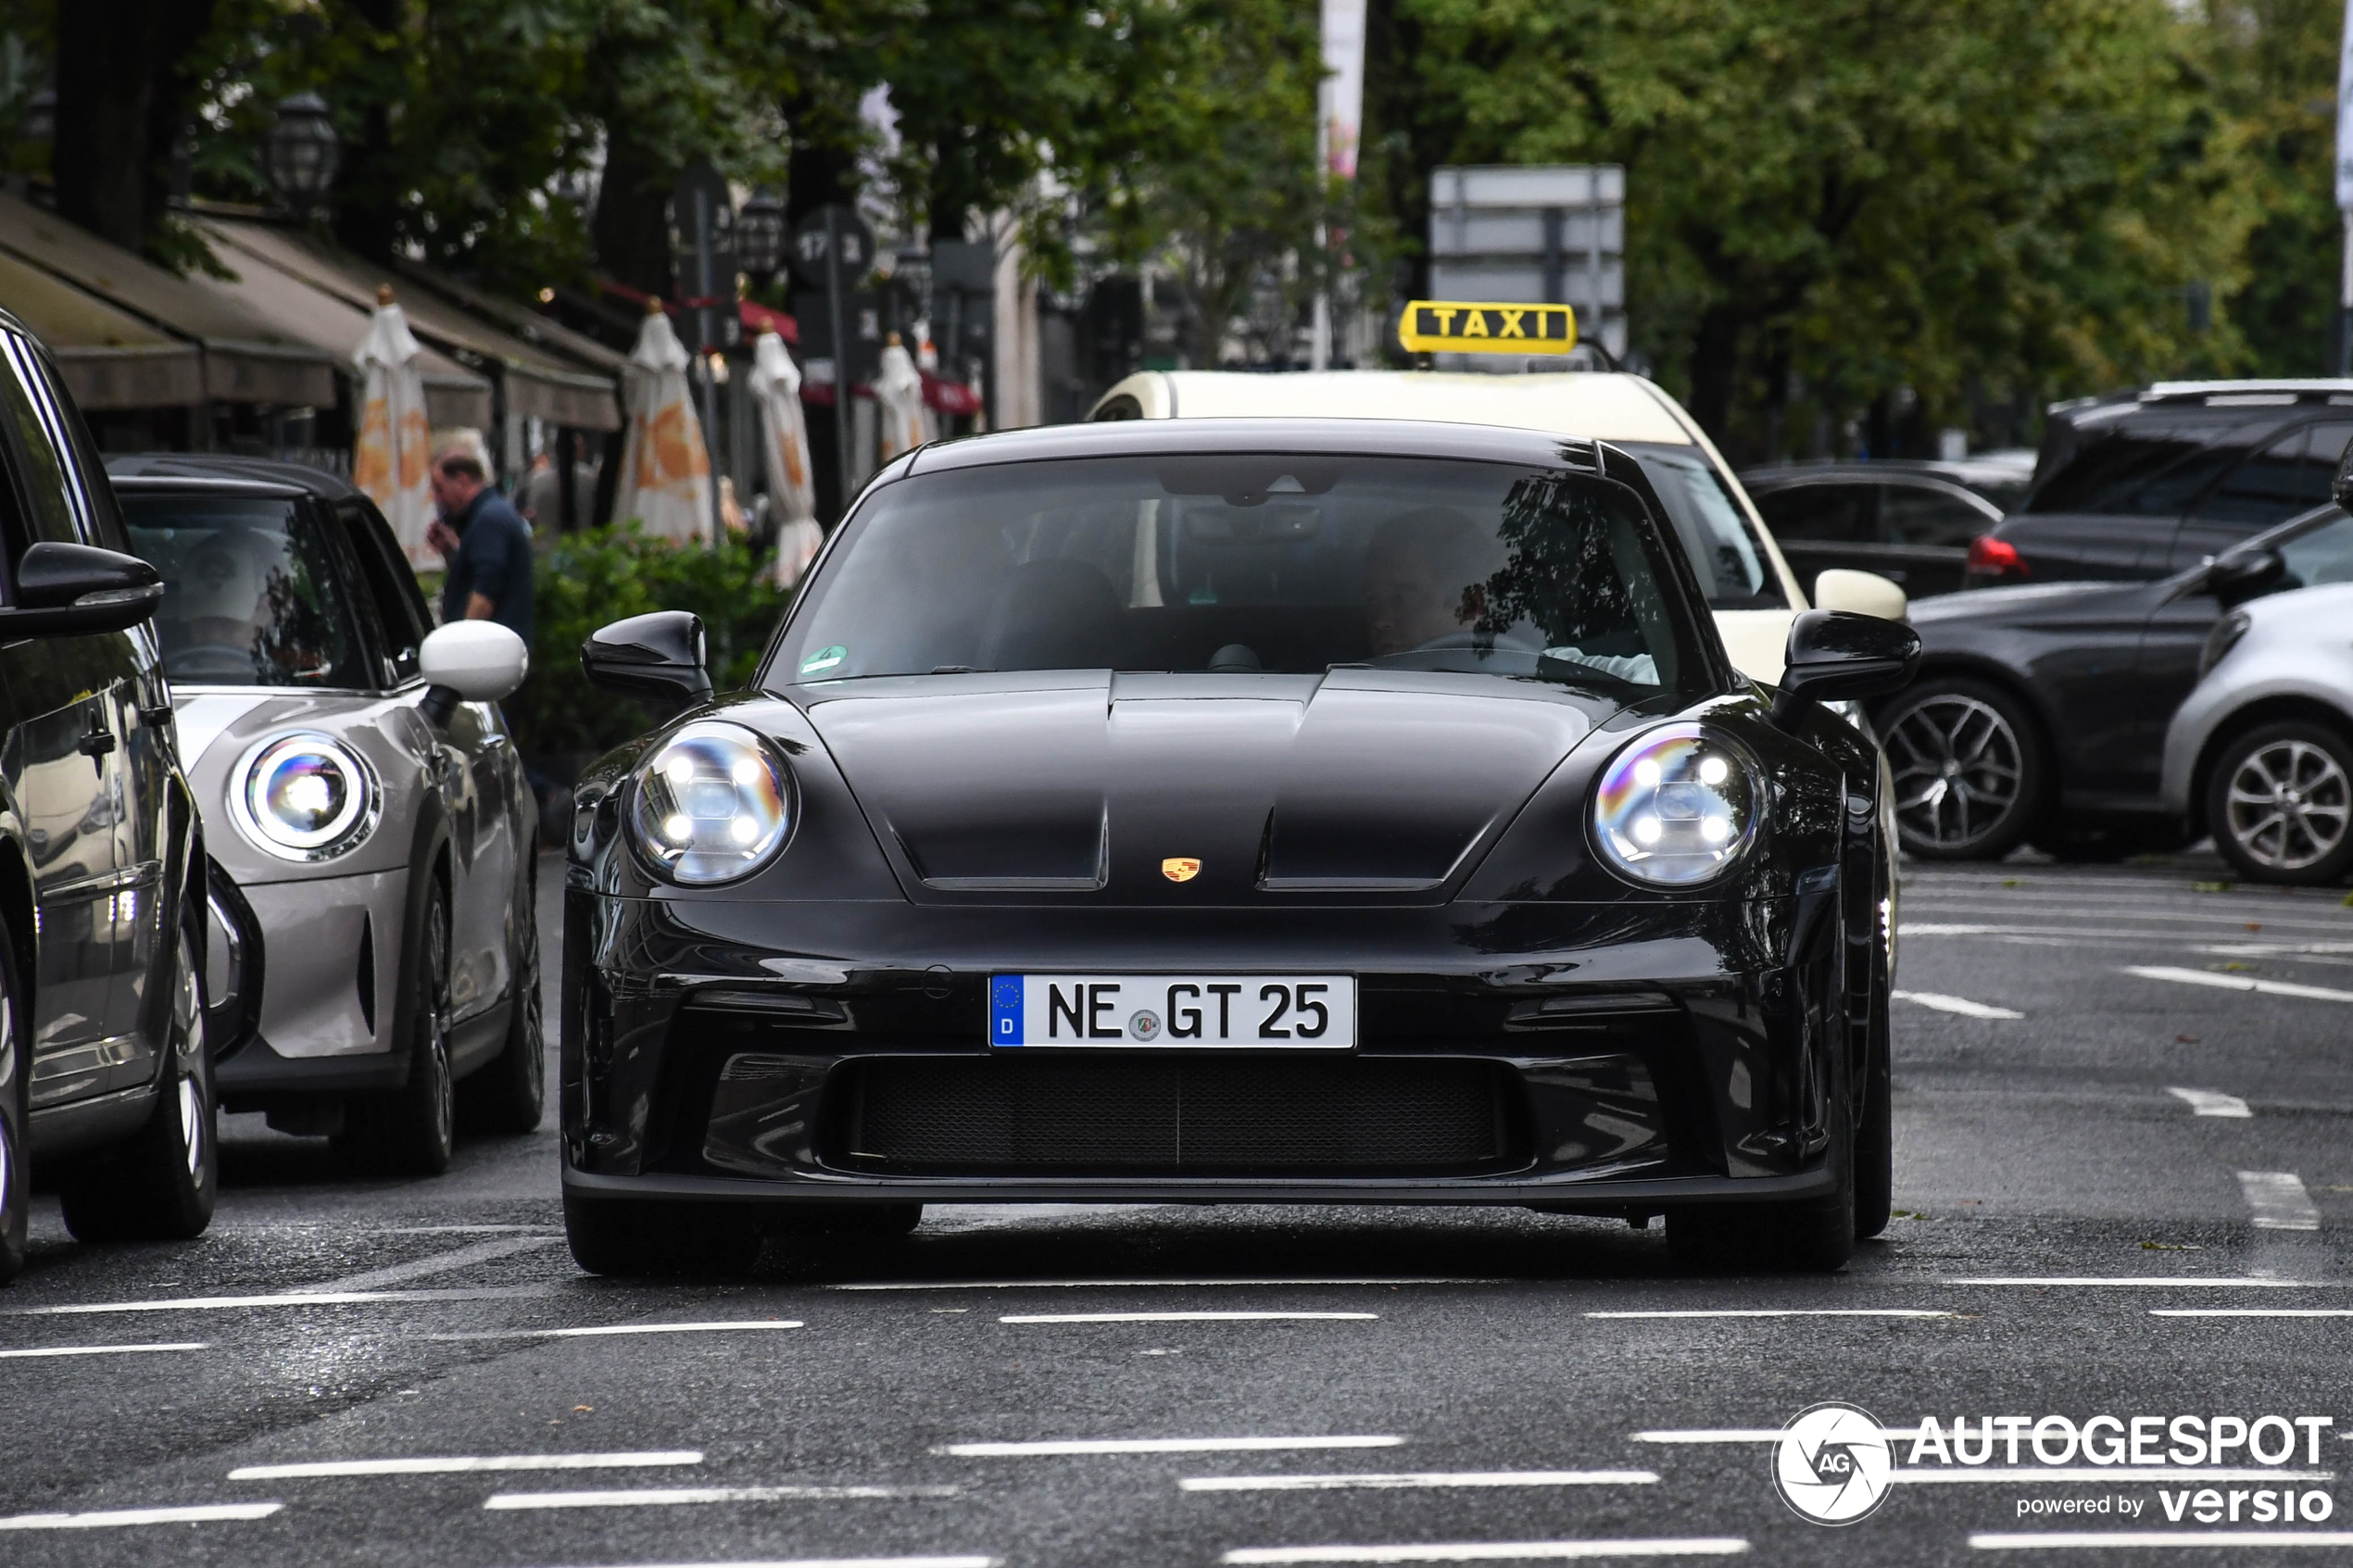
2047	1177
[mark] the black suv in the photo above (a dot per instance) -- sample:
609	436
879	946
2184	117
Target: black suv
105	1076
1911	522
2143	484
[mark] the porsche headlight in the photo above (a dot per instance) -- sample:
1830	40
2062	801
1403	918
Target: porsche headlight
711	804
1677	805
305	797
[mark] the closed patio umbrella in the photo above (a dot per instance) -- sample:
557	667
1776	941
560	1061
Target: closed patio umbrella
906	423
665	469
394	451
783	430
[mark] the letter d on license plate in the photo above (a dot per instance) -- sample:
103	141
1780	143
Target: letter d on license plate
1289	1012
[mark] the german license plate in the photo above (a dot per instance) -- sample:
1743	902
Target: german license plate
1292	1011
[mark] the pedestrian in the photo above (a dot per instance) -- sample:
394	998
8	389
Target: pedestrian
486	544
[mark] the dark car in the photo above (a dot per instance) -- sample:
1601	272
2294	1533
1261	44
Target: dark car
2141	485
1910	521
2040	712
106	1077
1293	811
357	781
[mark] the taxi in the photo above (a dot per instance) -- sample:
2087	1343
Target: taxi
1748	585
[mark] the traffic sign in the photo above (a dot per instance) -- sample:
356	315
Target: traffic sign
818	232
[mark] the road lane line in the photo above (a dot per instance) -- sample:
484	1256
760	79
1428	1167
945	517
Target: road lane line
1752	1435
1185	1317
203	1513
1132	1284
2207	1102
283	1299
1917	1475
602	1330
2238	983
679	1496
2164	922
2252	1313
1489	1552
1783	1312
105	1350
2279	1200
1961	1005
843	1562
2241	1282
2097	1540
1158	1446
463	1465
439	1264
1404	1480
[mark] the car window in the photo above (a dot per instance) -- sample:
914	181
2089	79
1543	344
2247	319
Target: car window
399	604
91	491
1922	514
1717	538
251	594
2324	556
2147	465
1827	513
52	508
1239	563
2272	485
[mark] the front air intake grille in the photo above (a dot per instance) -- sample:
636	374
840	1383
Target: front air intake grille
1206	1116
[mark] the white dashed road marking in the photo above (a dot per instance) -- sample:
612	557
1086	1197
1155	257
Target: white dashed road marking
1490	1551
439	1264
205	1514
1158	1446
2207	1102
2076	1473
1185	1317
1418	1480
2257	1282
298	1298
1130	1283
507	1502
1961	1005
463	1465
1752	1435
603	1330
2208	1540
1784	1313
2279	1200
2252	1313
105	1350
2238	982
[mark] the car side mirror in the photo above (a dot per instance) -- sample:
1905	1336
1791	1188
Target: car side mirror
1863	593
74	590
1836	655
659	656
2244	574
470	662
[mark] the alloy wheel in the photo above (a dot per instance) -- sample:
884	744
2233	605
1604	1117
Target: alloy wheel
2288	805
1960	767
189	1043
436	1062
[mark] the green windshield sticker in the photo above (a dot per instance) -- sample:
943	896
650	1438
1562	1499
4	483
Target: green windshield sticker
823	658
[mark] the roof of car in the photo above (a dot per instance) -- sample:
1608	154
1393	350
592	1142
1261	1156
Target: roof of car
1147	437
229	466
1607	405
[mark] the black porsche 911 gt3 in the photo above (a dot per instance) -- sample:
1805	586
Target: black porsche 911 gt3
1271	811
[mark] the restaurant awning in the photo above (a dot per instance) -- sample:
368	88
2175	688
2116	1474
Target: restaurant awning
536	381
245	355
110	360
454	395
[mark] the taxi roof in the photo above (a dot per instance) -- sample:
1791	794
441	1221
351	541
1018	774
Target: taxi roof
1598	405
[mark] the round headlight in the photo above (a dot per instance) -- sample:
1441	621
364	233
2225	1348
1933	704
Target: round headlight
1677	805
305	797
712	804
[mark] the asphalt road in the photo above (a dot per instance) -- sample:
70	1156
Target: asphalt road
2106	1079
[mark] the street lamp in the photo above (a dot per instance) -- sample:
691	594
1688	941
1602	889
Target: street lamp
302	153
760	236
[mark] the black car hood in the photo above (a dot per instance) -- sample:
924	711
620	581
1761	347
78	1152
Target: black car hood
1374	784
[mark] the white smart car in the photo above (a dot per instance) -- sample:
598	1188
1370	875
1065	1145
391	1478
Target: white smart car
1750	588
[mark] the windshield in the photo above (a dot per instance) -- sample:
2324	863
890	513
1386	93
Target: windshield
1723	546
1237	564
249	593
2321	557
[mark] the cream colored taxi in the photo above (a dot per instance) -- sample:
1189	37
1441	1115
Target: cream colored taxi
1749	586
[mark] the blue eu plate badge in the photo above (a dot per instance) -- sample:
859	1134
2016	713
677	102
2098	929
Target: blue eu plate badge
1004	1010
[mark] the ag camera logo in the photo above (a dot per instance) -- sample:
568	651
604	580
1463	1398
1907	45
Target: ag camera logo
1832	1465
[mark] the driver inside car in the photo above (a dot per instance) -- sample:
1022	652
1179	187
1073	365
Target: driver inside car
1425	580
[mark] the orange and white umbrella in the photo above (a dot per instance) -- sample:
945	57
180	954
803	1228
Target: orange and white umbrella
784	431
906	423
665	469
390	461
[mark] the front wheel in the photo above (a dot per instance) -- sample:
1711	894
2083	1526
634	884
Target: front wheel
413	1131
1810	1235
161	1184
1968	767
511	1093
16	1152
2279	801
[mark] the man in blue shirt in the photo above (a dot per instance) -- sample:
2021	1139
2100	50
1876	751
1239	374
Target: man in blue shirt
486	544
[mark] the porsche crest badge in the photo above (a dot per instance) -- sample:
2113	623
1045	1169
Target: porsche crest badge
1180	868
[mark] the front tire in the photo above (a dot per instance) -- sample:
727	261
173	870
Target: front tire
413	1131
2279	801
1969	767
511	1093
1810	1235
162	1183
15	1118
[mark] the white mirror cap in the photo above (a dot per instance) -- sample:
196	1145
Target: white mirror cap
1865	593
480	661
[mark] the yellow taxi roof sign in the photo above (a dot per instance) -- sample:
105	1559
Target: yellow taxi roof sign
1451	326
